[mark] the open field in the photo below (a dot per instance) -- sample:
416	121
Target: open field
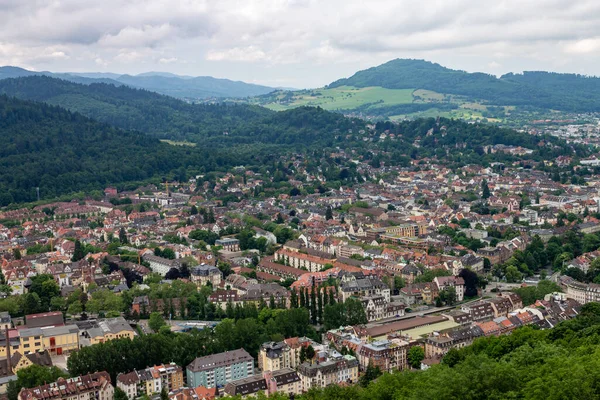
175	143
341	98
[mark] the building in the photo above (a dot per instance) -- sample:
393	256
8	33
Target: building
160	265
285	381
245	387
17	361
388	355
377	308
220	369
54	318
5	321
274	356
342	369
151	380
56	340
107	329
203	274
364	287
581	292
228	244
456	282
96	386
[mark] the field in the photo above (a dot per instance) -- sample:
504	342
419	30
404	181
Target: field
342	98
378	102
175	143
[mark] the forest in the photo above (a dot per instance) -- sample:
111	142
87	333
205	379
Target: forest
565	92
64	152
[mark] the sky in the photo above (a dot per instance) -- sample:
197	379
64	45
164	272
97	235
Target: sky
298	43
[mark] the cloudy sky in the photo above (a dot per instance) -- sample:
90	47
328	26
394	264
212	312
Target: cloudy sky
298	43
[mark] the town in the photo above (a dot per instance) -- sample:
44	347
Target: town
295	290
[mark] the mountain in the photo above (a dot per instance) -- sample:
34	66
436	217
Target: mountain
566	92
416	88
187	87
61	152
193	87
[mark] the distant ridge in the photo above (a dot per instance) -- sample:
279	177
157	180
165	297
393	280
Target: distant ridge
187	87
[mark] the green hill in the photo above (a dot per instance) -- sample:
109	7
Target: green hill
406	88
565	92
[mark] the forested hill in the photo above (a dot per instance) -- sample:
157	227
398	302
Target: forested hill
567	92
61	152
169	118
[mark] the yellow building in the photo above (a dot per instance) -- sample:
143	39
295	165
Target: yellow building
109	329
57	340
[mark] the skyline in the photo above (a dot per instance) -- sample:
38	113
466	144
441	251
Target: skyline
298	43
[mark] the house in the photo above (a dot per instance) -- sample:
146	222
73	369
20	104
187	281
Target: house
160	265
151	380
274	356
388	355
343	369
96	386
361	287
203	274
228	244
456	282
245	387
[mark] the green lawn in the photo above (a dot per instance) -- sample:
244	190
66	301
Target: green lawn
344	97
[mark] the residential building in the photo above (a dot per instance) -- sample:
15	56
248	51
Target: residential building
343	369
151	380
220	369
274	356
388	355
96	386
203	274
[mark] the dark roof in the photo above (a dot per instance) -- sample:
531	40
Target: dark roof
220	360
246	386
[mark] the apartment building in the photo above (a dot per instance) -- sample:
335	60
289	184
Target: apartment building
151	380
220	369
274	356
96	386
343	369
388	355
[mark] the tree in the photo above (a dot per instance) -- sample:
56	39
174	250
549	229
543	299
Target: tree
119	394
328	213
415	355
471	281
370	375
448	295
156	321
485	190
78	253
310	352
194	210
123	236
17	253
513	274
163	393
355	313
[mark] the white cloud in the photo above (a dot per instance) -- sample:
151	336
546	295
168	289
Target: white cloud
309	40
248	54
585	46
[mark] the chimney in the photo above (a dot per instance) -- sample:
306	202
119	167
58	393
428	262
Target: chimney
8	360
